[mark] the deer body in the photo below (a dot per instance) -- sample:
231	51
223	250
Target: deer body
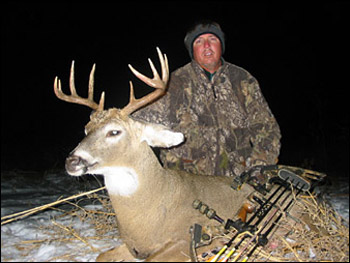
153	204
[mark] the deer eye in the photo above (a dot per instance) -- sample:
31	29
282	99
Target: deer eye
113	133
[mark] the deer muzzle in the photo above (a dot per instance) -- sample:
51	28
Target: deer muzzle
76	165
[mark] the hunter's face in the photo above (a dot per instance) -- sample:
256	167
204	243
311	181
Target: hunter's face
207	52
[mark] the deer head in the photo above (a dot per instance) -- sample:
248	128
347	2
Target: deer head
113	129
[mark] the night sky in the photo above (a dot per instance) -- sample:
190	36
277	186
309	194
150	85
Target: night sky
297	52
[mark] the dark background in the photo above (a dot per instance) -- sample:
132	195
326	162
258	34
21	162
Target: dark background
297	52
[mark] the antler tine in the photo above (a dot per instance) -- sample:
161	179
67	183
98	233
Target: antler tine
164	65
156	82
91	83
101	103
72	81
74	98
91	90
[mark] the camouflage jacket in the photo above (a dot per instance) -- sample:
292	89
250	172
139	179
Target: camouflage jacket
226	121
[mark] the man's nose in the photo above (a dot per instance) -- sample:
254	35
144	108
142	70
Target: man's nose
206	43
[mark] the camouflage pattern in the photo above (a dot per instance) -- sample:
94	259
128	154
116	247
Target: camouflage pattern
226	121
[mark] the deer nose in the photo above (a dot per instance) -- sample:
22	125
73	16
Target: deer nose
75	164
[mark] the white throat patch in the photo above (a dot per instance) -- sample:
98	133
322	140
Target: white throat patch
121	180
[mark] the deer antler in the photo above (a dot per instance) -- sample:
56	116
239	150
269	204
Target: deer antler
156	82
74	98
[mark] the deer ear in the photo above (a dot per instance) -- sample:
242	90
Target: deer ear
157	135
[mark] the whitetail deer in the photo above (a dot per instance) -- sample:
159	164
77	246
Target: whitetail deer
153	204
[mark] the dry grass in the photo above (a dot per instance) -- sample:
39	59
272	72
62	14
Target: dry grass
312	231
315	232
61	227
23	214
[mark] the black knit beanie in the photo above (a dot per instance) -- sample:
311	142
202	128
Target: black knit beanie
200	29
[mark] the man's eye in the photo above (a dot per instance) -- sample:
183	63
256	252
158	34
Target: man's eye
113	133
198	41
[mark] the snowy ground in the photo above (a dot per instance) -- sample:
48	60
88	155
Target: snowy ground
24	190
21	191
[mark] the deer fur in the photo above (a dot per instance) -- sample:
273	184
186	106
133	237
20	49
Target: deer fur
153	205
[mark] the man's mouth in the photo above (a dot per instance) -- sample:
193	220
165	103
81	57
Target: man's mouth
208	53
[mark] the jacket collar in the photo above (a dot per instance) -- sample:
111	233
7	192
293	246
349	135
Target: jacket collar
205	74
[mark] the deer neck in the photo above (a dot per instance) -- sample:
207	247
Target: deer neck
139	173
136	207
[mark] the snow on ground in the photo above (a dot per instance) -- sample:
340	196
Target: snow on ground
19	239
24	190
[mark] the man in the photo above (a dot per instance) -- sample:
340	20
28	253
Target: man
219	108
